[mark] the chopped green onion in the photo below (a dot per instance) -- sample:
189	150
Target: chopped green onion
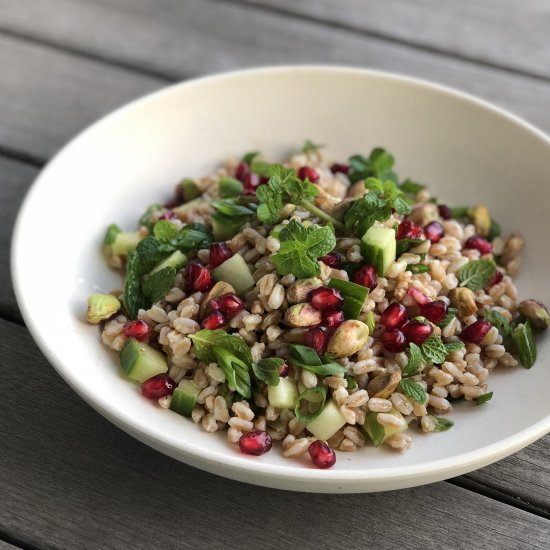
354	296
522	337
451	314
415	269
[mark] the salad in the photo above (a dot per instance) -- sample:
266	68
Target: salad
323	306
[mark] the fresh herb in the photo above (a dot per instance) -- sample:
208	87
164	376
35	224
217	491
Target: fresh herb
498	320
300	248
305	398
189	190
229	207
354	296
157	284
476	274
416	269
374	429
307	358
110	236
434	350
442	424
403	245
229	187
352	384
378	164
164	230
310	147
415	361
370	321
484	398
235	370
459	211
150	216
414	390
267	370
249	157
494	230
451	314
453	346
522	336
411	187
134	299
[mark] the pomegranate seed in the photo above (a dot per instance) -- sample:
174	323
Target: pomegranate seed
242	171
229	304
333	259
214	320
251	181
434	311
333	319
219	252
479	243
497	277
408	230
255	443
197	277
394	315
417	332
445	212
338	167
418	296
136	329
434	231
283	370
393	340
321	454
475	332
366	276
168	214
317	338
325	299
158	386
308	173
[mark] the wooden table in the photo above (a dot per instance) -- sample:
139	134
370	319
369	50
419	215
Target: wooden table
68	478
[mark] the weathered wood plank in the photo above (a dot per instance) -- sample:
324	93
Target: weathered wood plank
6	546
15	179
506	33
85	484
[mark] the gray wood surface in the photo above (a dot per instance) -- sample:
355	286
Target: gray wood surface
505	33
88	485
7	546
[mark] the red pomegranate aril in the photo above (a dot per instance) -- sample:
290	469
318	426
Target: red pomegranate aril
317	338
434	231
393	340
251	181
214	320
434	311
284	370
308	173
158	386
333	319
338	167
219	252
325	299
418	296
197	277
229	304
255	443
475	332
477	242
242	171
497	277
445	212
417	332
321	454
333	259
366	276
136	329
168	214
394	315
408	230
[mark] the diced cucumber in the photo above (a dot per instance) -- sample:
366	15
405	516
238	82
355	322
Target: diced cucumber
124	241
176	260
378	433
185	397
140	361
226	227
235	272
327	423
284	395
190	190
354	296
379	247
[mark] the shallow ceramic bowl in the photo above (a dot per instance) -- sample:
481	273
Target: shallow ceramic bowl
466	150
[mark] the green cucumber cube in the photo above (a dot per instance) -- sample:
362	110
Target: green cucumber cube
379	247
176	260
226	227
284	395
184	398
124	242
235	271
327	423
354	296
140	361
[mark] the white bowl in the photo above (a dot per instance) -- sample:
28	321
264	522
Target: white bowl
466	150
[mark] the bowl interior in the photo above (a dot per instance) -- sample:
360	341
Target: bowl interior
465	151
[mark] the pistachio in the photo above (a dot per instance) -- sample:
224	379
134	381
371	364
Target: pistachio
219	289
302	315
464	300
101	307
384	384
424	214
536	312
481	218
348	338
298	291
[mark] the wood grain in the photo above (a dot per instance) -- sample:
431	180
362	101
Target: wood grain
85	484
6	546
505	33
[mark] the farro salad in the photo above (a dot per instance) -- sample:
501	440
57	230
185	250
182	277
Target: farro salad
324	306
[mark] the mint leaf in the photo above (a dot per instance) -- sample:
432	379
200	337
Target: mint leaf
310	147
229	187
156	285
205	340
415	360
249	157
414	390
498	320
271	202
110	236
267	370
192	237
403	245
352	384
133	298
315	395
454	346
326	369
484	398
300	248
164	230
451	314
476	274
151	215
410	187
434	350
305	354
402	206
442	424
235	370
374	429
229	207
378	164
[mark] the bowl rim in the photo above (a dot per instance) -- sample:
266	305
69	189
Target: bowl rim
229	464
